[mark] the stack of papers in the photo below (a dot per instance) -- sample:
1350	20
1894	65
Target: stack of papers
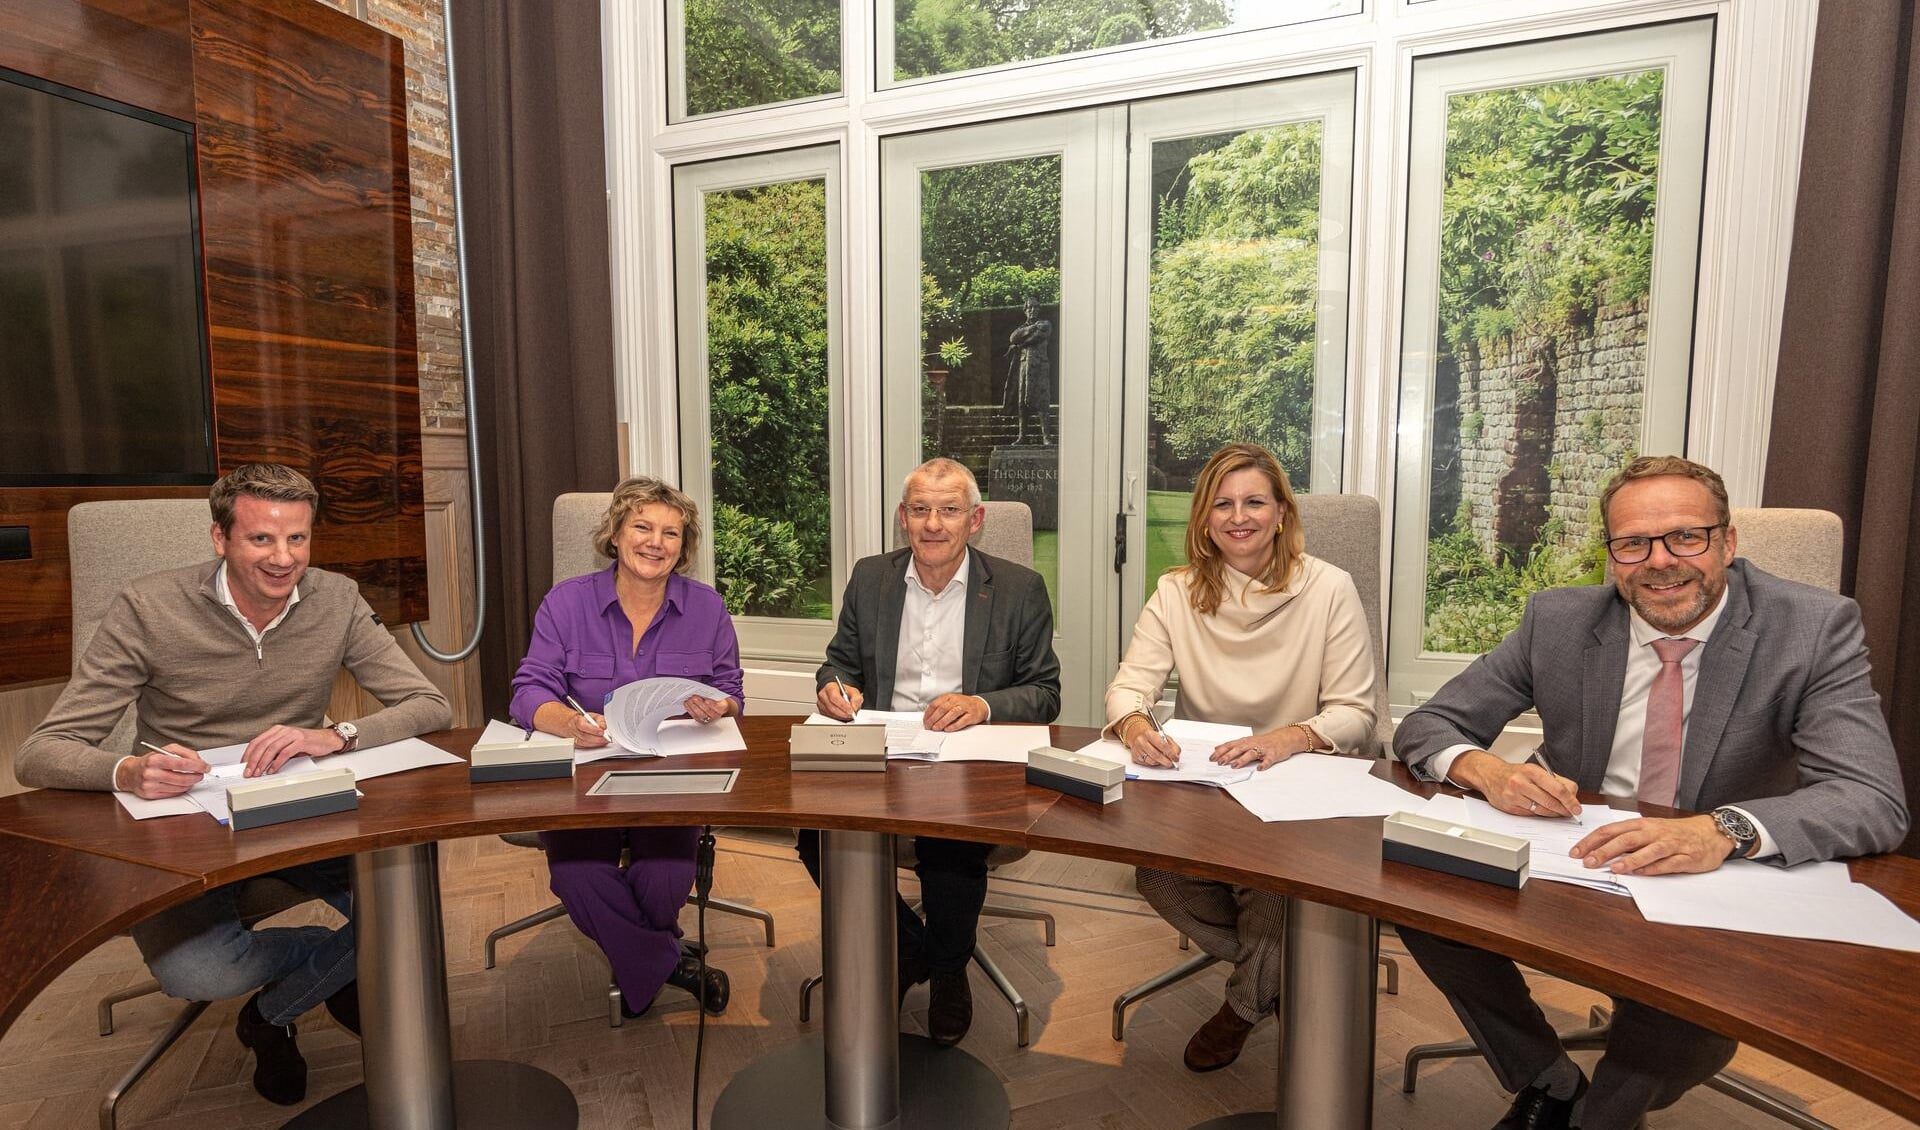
1319	786
907	739
210	795
638	722
1551	837
1197	741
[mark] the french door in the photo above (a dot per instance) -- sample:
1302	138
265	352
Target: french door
1082	306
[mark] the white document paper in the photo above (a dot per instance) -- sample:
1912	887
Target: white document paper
908	739
1194	768
1551	837
141	808
1318	786
1010	743
676	737
635	712
503	733
1814	900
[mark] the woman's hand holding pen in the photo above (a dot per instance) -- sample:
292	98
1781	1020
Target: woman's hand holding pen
1147	745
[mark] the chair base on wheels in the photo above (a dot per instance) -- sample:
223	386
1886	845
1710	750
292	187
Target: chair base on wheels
1594	1038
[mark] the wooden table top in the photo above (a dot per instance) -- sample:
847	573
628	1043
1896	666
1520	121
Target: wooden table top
1845	1012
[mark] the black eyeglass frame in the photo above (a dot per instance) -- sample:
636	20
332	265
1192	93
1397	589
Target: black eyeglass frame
1663	539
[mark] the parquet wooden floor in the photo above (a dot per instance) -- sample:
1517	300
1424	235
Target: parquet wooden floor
546	1004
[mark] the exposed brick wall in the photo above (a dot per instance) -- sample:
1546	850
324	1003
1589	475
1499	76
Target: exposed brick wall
418	24
1542	423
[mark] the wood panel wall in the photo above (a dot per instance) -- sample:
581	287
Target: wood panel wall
300	121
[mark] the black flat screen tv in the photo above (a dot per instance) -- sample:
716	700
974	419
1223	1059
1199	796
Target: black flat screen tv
103	350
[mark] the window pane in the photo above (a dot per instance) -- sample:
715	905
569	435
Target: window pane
766	304
741	53
989	312
1233	293
938	37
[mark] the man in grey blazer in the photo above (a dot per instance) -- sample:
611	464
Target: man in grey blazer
966	638
1694	681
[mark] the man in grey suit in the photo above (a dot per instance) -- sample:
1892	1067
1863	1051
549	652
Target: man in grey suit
1695	681
966	638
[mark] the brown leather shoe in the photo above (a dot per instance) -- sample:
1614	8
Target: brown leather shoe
949	1008
1218	1042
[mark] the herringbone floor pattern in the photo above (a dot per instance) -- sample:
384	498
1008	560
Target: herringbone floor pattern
546	1004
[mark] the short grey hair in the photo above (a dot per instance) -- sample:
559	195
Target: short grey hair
942	468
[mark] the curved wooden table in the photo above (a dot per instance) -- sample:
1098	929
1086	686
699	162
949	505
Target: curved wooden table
79	871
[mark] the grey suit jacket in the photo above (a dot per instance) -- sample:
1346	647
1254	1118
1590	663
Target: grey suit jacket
1784	722
1009	658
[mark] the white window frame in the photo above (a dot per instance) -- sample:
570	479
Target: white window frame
772	637
1685	53
1763	59
676	43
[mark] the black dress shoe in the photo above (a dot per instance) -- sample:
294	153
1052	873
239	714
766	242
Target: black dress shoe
279	1070
712	995
344	1007
1535	1109
950	1008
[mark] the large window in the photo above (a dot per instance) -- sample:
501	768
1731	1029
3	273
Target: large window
1554	205
1463	256
758	243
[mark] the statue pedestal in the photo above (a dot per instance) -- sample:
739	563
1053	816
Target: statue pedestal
1030	475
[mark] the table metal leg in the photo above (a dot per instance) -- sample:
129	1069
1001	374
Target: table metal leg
853	1073
1327	1025
406	1047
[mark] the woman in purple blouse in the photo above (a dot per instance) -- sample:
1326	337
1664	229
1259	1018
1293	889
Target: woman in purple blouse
642	617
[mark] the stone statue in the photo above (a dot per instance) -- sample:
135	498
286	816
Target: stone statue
1029	374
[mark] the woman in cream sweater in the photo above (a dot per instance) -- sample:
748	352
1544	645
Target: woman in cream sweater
1263	635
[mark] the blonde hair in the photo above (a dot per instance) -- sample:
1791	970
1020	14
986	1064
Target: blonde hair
271	482
637	494
1206	577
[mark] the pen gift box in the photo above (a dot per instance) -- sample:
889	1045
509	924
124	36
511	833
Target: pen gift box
1471	853
837	749
539	756
276	800
1089	778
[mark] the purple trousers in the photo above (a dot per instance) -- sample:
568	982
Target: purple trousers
634	914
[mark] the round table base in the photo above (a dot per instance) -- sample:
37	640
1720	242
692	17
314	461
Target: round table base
1251	1120
488	1094
940	1089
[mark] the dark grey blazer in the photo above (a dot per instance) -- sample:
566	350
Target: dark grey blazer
1785	722
1009	657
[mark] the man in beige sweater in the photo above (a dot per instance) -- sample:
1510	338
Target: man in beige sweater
243	650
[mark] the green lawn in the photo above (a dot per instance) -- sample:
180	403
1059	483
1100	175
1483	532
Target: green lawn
1166	533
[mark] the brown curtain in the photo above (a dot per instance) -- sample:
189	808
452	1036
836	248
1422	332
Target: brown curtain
1846	410
539	303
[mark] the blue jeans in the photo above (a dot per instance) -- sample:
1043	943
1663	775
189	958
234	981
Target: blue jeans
201	951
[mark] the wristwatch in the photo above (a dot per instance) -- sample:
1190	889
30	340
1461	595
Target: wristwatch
1735	825
349	736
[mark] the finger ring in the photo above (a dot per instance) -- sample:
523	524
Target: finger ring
1532	807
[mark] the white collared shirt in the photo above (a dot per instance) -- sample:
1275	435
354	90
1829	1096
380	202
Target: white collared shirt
933	637
1630	726
226	597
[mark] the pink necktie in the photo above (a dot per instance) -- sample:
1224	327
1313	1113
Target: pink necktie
1666	723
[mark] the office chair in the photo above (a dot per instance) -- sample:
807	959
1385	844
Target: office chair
1800	545
1342	530
109	545
1007	533
575	518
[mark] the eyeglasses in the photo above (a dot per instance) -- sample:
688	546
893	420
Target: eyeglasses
947	513
1690	541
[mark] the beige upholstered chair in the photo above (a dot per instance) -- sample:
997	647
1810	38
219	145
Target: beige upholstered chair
1799	545
108	545
1007	533
576	517
1343	530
